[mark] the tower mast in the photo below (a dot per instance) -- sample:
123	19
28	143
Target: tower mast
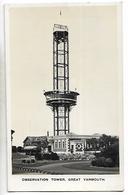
61	99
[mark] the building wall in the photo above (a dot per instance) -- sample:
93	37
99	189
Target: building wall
60	145
67	145
76	146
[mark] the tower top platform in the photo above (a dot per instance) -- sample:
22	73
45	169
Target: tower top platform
58	27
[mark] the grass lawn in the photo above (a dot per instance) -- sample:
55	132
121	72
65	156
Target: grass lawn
93	168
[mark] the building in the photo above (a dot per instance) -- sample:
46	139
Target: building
72	143
32	143
68	143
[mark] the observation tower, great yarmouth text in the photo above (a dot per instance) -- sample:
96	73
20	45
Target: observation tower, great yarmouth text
61	99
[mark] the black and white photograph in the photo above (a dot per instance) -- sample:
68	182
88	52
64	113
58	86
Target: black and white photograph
64	93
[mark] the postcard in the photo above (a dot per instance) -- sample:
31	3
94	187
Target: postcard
64	97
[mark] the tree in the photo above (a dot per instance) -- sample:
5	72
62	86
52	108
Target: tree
12	131
41	145
112	152
94	143
109	151
106	140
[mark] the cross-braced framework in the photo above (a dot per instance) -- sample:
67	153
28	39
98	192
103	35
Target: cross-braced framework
61	99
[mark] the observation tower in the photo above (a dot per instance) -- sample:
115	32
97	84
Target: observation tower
61	99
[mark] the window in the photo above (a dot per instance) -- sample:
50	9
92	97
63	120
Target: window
59	144
56	145
63	144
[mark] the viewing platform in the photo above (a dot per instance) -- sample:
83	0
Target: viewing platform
61	97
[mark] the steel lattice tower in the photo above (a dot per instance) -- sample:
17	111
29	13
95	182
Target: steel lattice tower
61	99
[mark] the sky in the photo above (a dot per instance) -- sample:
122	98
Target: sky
95	68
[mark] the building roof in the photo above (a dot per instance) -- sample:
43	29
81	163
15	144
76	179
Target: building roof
69	135
35	138
73	135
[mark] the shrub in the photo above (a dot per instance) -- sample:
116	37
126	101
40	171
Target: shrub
46	156
103	162
63	156
70	156
20	149
54	156
38	156
32	161
94	162
112	152
83	157
100	161
109	162
14	149
51	156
